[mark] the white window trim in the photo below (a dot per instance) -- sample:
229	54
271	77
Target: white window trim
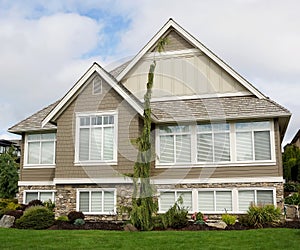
255	196
101	85
27	165
97	190
39	191
233	158
234	198
77	162
175	193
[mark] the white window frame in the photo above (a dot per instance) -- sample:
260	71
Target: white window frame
115	146
26	148
175	134
255	196
233	157
176	196
79	190
101	84
214	190
25	192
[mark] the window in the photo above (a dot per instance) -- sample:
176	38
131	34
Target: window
40	149
253	141
214	201
43	196
213	143
96	138
175	144
168	198
96	201
97	86
256	197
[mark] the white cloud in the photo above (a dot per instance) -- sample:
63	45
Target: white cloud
47	45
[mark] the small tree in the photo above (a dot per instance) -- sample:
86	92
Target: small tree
143	205
291	163
8	174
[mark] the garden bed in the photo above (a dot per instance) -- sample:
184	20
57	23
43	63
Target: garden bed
191	226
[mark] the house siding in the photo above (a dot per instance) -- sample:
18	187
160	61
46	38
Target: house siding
128	129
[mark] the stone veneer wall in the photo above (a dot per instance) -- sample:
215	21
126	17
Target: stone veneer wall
65	200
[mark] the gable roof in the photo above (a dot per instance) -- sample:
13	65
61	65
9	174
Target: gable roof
192	40
34	122
120	89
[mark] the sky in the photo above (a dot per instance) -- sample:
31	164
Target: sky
46	46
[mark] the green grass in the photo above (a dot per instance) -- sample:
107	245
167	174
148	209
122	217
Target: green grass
278	238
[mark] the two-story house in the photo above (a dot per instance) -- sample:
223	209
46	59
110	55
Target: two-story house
217	139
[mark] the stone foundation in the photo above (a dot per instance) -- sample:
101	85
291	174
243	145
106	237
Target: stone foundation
65	197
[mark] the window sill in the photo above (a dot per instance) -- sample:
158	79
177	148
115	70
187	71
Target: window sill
214	165
99	213
38	166
100	163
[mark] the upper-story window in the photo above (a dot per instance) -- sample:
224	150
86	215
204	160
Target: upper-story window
175	144
213	142
222	143
253	141
40	149
96	138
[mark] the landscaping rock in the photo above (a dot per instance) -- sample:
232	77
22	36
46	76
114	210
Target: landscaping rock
130	228
217	224
7	221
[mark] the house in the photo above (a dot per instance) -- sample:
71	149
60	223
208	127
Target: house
296	140
217	139
6	144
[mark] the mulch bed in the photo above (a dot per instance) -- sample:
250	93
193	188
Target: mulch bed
119	225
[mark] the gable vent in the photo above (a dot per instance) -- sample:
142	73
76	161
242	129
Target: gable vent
97	86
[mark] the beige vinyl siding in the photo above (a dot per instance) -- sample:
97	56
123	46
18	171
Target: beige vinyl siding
38	174
127	126
182	75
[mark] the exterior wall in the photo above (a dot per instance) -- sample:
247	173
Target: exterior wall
128	129
185	73
175	42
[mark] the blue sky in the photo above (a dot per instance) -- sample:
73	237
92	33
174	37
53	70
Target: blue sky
47	45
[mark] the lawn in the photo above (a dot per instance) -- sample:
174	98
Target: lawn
279	238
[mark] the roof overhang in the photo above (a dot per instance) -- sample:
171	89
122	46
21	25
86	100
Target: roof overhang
60	107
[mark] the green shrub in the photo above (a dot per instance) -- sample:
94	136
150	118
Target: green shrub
229	219
36	217
3	211
35	203
63	218
176	216
258	216
293	199
291	187
11	203
79	222
49	204
73	215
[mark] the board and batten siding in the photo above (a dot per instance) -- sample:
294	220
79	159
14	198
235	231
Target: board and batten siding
181	71
127	125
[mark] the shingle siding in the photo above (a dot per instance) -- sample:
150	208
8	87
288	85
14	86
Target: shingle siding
127	125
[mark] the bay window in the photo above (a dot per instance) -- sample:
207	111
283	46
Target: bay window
40	149
96	138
